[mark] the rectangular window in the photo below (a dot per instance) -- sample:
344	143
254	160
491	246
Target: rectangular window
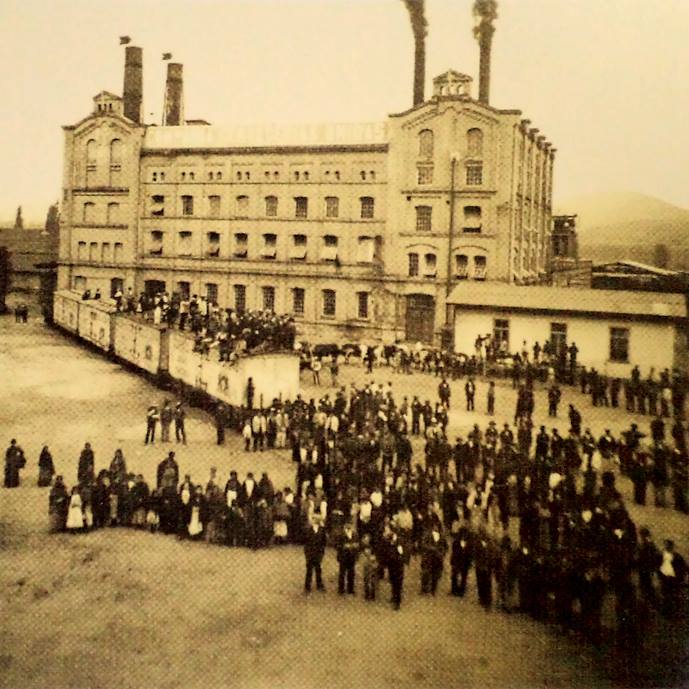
472	219
365	250
212	292
362	304
269	249
430	265
329	303
475	174
271	206
480	267
298	249
113	216
158	205
268	298
558	337
413	265
423	218
184	243
106	252
240	298
184	289
425	174
156	247
214	206
213	244
187	205
118	252
501	333
242	206
461	267
241	245
89	213
79	283
301	207
81	251
329	252
298	299
367	207
332	207
619	345
93	251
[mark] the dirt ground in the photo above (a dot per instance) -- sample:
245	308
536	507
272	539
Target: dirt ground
117	608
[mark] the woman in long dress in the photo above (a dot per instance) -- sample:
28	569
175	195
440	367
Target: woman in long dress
58	504
46	469
195	526
75	515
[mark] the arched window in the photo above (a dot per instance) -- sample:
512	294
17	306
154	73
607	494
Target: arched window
89	212
475	143
425	143
113	213
271	206
115	152
91	146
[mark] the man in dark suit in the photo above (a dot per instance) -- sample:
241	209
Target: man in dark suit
460	561
395	560
314	550
347	553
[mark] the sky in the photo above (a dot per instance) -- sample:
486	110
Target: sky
604	80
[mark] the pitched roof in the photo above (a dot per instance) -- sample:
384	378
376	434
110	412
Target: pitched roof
633	267
569	300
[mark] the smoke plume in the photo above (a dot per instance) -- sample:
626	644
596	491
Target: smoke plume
419	27
485	12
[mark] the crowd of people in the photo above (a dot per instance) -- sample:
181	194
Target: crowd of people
540	520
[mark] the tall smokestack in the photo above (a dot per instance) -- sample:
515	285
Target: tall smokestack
132	92
419	27
485	12
173	107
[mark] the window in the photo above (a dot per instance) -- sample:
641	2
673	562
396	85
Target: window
239	175
212	292
113	215
461	267
184	289
116	285
329	248
242	206
79	283
372	175
184	245
475	174
161	176
91	152
423	218
329	303
118	252
413	265
158	205
271	206
241	245
298	248
337	175
81	251
276	175
365	250
430	267
183	175
93	251
210	176
240	298
301	207
266	174
306	176
115	152
475	143
296	175
472	219
332	207
362	304
367	207
214	206
213	239
191	176
106	252
298	299
247	176
268	298
480	267
425	143
218	176
425	174
558	338
156	248
89	215
619	345
187	205
501	332
269	249
154	176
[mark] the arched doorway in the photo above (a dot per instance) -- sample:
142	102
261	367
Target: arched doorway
420	318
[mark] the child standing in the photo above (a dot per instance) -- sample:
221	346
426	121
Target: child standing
370	568
75	515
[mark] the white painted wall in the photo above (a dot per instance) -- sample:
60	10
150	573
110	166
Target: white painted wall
650	344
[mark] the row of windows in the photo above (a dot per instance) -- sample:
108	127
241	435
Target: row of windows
103	252
301	206
113	214
268	175
474	143
463	268
618	344
368	248
474	174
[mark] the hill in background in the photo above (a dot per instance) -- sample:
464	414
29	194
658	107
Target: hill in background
627	225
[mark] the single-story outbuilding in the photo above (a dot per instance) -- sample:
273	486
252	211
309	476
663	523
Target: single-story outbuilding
613	330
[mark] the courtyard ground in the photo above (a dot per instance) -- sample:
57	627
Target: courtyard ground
118	608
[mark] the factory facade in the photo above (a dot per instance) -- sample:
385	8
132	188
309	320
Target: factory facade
359	231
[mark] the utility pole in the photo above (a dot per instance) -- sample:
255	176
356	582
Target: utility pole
447	334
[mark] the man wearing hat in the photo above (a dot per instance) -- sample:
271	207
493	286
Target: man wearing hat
314	550
347	553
